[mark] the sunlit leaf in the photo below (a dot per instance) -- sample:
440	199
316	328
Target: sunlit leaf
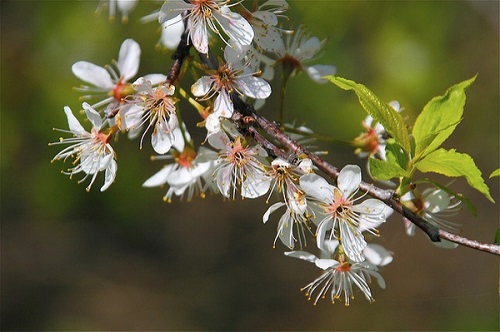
385	170
378	109
454	164
439	118
495	173
395	153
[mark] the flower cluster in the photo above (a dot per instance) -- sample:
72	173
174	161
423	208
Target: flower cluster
235	160
255	46
232	163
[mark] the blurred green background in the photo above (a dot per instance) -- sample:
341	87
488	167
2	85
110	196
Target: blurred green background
124	260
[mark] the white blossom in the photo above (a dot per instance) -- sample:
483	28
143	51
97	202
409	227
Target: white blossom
340	277
299	49
155	108
91	150
436	206
341	217
208	14
239	165
374	140
188	176
231	77
289	220
107	82
264	21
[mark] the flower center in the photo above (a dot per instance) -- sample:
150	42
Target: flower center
368	141
239	154
289	64
224	78
204	8
185	158
121	90
340	206
344	267
160	103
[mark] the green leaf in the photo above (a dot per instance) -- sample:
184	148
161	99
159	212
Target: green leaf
394	153
379	110
454	164
495	173
439	118
385	170
497	237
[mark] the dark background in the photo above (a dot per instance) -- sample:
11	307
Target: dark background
124	260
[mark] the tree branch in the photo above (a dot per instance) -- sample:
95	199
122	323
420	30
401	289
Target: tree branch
486	247
243	110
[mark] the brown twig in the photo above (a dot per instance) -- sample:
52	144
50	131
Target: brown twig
243	109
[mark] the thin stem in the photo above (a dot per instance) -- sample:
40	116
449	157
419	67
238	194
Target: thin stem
178	57
282	101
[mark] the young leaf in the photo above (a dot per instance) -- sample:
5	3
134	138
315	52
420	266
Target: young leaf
439	118
495	173
395	153
379	110
393	167
454	164
385	170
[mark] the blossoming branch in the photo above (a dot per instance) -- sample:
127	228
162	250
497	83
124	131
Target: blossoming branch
323	208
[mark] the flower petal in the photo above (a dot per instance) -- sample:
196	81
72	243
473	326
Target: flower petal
255	185
302	255
235	26
317	72
155	78
270	210
171	32
285	230
223	105
349	179
93	116
219	140
130	117
353	241
161	139
376	254
172	8
73	123
325	264
370	206
269	38
93	74
224	180
110	174
324	226
202	86
309	48
436	200
199	36
129	58
317	187
254	87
